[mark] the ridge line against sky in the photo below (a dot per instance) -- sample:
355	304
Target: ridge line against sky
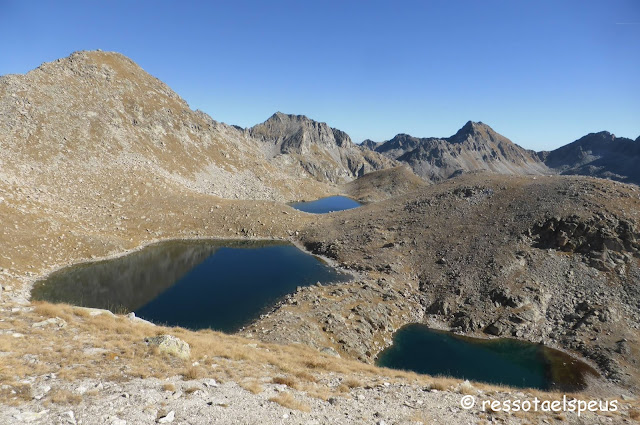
542	74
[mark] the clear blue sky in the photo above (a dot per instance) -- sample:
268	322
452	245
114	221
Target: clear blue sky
542	73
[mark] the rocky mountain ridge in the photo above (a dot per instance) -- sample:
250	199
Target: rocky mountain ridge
475	147
326	153
599	154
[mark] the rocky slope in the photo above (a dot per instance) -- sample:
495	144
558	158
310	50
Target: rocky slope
598	155
98	158
548	259
384	184
475	147
99	110
323	152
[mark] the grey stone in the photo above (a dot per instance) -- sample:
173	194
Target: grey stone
171	345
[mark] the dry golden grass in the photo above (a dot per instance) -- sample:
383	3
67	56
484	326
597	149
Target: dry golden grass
634	414
287	400
467	389
193	372
168	386
63	311
285	380
220	356
92	393
305	376
81	312
321	393
353	383
64	397
16	393
439	385
253	387
191	390
5	342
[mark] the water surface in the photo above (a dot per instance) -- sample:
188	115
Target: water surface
222	285
327	205
499	361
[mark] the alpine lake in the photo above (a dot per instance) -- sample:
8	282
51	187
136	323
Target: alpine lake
326	205
227	284
501	361
221	285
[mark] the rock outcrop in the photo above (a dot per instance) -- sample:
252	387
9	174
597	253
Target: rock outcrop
606	241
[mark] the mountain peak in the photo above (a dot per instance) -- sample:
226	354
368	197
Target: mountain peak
281	116
323	152
474	130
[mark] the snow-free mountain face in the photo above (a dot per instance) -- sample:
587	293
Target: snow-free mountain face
598	155
323	152
476	146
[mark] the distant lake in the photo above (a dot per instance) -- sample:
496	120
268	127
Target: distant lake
221	285
418	348
327	205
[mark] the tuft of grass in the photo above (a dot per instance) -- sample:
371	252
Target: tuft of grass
306	376
353	383
285	380
467	389
191	390
253	387
634	414
92	393
193	372
321	393
63	311
64	397
168	386
287	400
16	393
81	312
439	385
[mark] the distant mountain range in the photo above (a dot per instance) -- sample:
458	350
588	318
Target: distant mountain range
476	146
100	111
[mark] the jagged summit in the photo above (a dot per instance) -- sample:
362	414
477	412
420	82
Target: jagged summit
370	144
326	153
475	146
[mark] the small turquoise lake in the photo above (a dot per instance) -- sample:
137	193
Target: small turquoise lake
222	285
326	205
509	362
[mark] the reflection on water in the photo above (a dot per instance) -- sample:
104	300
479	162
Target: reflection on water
194	284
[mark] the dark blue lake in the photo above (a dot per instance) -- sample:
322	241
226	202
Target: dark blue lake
327	205
221	285
499	361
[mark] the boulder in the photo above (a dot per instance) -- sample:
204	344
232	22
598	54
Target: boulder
171	345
